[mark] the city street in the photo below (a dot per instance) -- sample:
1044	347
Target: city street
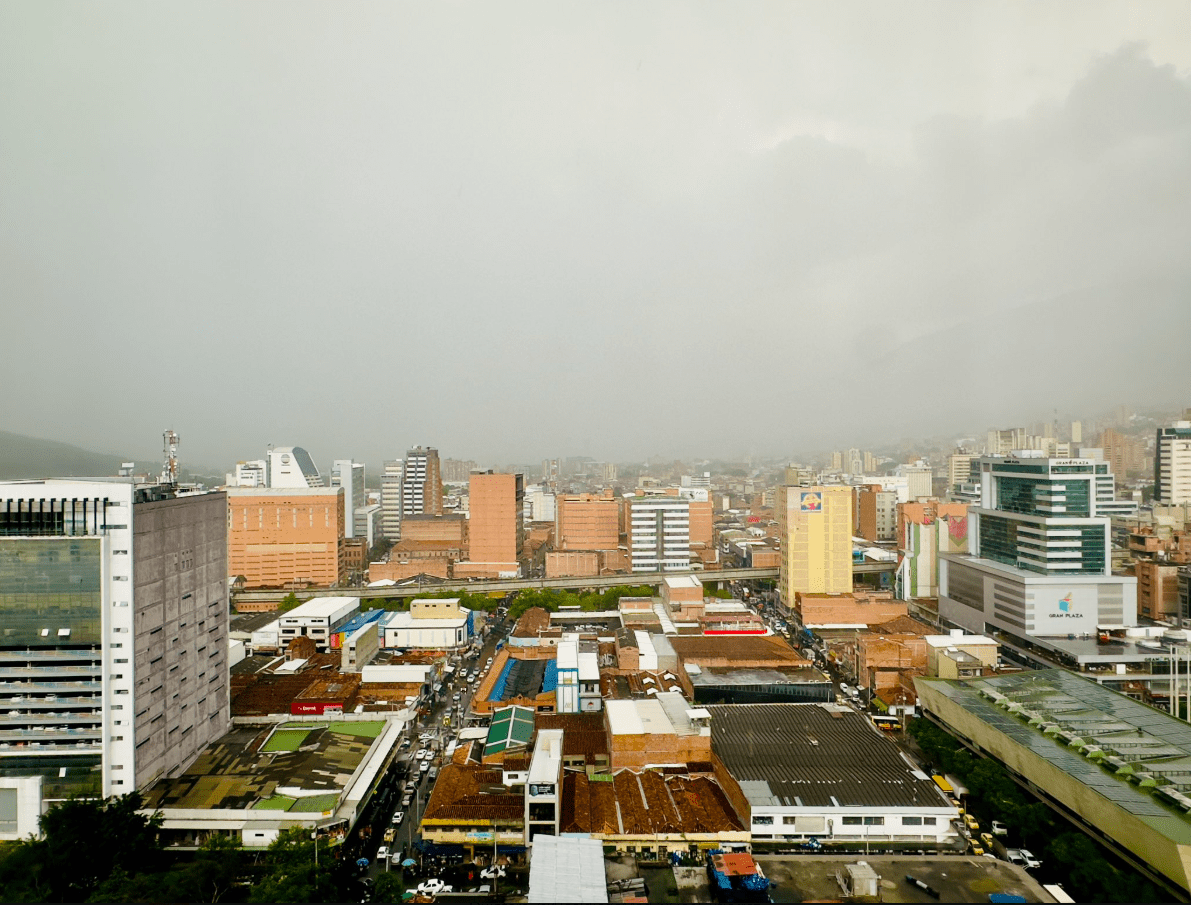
438	738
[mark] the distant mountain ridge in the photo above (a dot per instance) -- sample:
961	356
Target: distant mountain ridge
29	458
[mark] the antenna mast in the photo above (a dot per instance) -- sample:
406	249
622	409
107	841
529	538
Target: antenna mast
169	474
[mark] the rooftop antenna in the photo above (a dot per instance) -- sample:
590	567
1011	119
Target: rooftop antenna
169	474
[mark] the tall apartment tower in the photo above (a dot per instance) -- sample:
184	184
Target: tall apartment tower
815	530
114	614
496	532
1039	542
659	534
350	476
421	483
959	469
291	466
1172	464
390	499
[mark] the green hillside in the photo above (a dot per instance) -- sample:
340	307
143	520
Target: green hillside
23	458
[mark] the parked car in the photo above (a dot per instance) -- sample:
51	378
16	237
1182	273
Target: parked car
999	829
493	872
1031	862
972	823
986	840
433	887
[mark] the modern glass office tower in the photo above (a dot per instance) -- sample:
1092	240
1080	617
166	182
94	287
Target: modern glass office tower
1040	551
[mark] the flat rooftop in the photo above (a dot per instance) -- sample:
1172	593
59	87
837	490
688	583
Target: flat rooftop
1105	740
319	608
247	767
815	755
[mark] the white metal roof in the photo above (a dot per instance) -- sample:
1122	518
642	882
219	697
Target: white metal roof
320	607
623	718
547	757
567	869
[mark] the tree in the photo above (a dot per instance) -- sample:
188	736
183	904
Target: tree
291	875
388	887
84	843
288	602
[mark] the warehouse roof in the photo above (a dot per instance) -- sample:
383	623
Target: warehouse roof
815	755
472	793
1098	737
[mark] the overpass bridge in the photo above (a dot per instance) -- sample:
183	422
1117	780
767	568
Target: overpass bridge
506	585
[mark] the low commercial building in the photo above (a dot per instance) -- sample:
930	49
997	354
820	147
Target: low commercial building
1114	766
257	781
859	608
824	771
664	729
439	624
317	619
957	655
567	869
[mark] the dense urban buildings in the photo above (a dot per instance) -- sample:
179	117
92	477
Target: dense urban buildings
113	602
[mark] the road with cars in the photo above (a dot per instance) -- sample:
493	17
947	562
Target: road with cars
422	753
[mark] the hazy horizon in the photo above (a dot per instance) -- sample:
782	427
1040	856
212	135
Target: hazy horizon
534	230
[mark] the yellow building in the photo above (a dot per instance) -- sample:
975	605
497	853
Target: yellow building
815	525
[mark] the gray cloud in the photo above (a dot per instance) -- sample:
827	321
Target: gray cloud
530	230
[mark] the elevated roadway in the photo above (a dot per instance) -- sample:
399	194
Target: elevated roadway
506	585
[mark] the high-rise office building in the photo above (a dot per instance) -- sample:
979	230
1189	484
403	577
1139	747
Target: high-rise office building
921	479
1172	464
421	483
114	620
659	534
876	513
495	531
815	530
390	499
457	471
1003	442
959	469
350	476
291	466
1040	551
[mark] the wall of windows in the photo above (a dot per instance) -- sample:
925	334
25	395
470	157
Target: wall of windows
50	591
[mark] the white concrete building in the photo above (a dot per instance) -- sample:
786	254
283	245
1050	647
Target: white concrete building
291	466
543	787
317	618
253	473
429	624
539	504
350	476
659	534
114	613
390	499
1172	464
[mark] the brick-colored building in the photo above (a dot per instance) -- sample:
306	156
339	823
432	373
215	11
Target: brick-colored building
858	608
586	522
285	537
572	564
876	513
496	535
1157	590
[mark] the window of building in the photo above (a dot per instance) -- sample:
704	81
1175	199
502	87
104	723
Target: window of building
763	819
911	821
852	821
874	821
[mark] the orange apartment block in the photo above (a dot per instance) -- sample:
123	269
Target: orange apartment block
876	513
877	656
585	521
857	608
701	517
1157	589
285	537
496	536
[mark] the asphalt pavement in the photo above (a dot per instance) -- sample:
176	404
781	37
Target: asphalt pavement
440	735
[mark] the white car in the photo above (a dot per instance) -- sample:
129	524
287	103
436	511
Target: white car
433	887
999	829
398	817
421	754
493	873
382	853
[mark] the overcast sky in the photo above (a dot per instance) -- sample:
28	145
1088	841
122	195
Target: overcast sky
517	230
